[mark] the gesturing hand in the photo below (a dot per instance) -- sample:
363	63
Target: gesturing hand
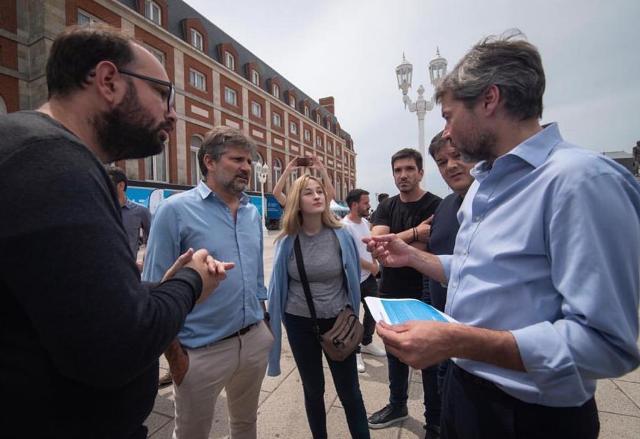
390	250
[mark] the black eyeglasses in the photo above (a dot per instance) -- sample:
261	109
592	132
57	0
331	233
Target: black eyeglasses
171	97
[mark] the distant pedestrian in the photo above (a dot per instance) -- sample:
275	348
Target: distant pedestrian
135	218
356	223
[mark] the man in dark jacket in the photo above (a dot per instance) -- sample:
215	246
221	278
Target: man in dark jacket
80	336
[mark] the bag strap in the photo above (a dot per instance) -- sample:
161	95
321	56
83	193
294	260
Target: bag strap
305	283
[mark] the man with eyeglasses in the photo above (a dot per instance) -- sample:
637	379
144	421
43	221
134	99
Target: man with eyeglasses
80	335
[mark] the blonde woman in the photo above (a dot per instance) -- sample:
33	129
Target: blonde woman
330	259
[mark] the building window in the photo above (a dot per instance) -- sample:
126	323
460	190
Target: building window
277	169
157	53
197	79
85	18
307	135
155	167
255	78
196	40
3	106
229	61
306	110
293	128
277	120
153	12
196	174
230	96
318	119
256	109
328	125
319	141
292	102
275	90
256	179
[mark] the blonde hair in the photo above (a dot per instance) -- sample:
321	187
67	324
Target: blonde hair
292	217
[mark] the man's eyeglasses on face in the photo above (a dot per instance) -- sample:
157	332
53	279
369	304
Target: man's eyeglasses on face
171	96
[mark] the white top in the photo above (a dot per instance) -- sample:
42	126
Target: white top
359	231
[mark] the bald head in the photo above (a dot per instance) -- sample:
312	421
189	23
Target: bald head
77	50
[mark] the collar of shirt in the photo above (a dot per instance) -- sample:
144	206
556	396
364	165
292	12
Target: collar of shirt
205	191
533	151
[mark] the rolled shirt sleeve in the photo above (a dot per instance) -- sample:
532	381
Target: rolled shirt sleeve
593	237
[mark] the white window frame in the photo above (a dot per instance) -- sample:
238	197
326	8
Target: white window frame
255	78
198	79
159	54
306	110
154	166
229	60
275	90
307	135
293	128
256	109
197	40
231	96
194	147
328	125
89	19
319	141
276	120
256	179
153	12
292	102
318	120
277	169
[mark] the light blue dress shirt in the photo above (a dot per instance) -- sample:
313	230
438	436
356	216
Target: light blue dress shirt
549	249
198	218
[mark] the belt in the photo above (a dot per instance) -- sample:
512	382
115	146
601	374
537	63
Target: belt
242	331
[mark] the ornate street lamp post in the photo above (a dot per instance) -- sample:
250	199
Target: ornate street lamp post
404	72
262	171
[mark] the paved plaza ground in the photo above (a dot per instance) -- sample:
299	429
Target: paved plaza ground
281	412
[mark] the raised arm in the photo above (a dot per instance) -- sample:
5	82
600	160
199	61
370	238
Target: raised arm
326	180
282	181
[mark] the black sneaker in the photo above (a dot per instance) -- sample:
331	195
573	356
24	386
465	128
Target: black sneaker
387	416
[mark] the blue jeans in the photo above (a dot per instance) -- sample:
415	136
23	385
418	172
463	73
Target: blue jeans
307	353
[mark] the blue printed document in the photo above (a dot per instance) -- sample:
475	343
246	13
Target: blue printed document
395	311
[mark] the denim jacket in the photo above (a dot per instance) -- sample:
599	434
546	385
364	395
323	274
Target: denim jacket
279	287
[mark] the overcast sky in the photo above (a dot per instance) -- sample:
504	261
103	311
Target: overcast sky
349	49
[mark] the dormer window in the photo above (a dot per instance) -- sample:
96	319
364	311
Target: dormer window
306	110
255	78
153	12
196	39
328	124
275	90
292	102
229	61
318	119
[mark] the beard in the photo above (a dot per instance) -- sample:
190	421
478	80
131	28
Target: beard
475	146
236	185
128	131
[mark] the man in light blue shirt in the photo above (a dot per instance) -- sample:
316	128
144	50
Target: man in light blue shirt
224	342
544	278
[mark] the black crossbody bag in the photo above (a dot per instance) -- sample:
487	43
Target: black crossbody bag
346	334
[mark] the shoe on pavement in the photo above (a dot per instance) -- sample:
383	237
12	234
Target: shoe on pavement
372	349
387	416
165	380
360	363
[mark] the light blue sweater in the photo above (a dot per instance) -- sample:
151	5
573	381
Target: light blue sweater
279	287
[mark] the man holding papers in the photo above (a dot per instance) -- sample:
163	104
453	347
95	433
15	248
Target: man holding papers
544	277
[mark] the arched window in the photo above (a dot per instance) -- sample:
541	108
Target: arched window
277	170
194	147
255	185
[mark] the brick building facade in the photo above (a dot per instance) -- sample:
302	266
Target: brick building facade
218	82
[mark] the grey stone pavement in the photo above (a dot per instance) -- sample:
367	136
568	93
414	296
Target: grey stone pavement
281	411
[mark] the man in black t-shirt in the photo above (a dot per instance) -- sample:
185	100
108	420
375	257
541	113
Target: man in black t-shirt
408	215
